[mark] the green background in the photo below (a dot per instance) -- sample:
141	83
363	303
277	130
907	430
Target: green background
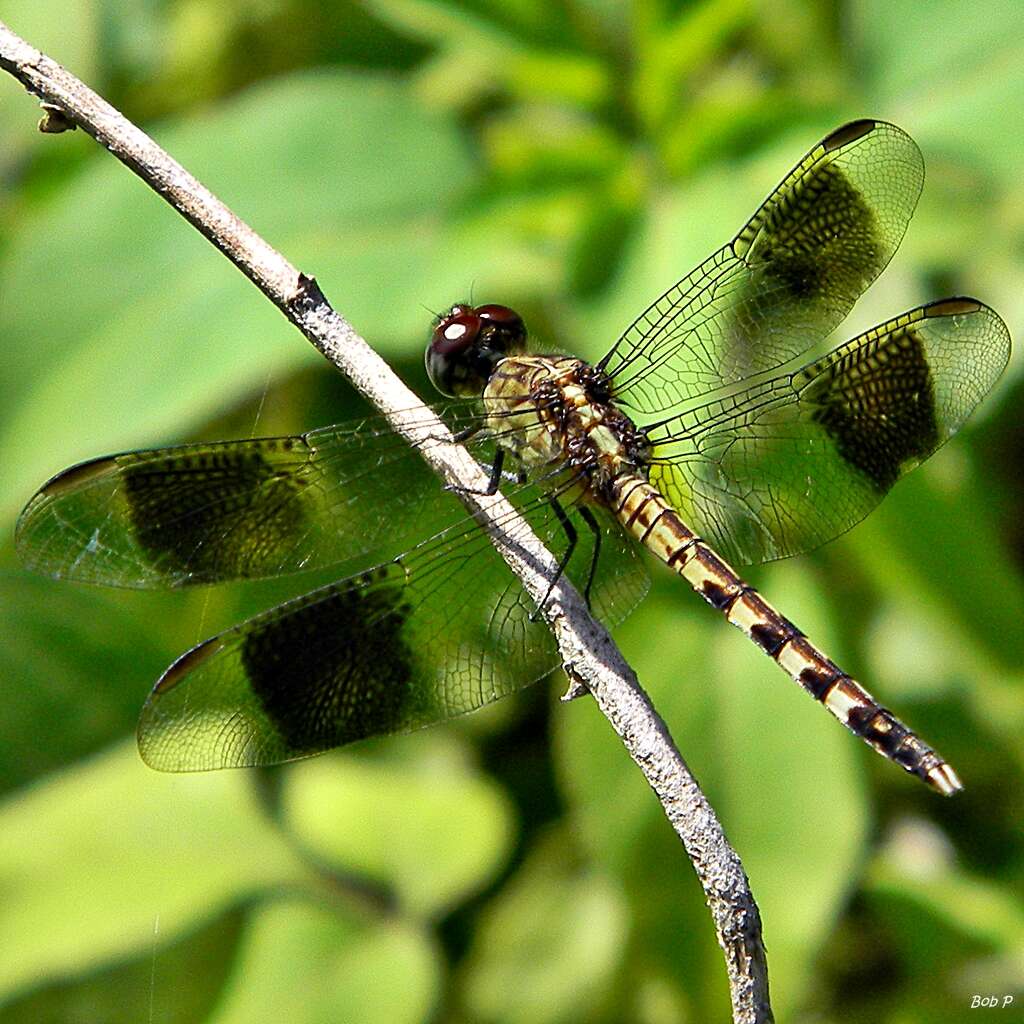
571	159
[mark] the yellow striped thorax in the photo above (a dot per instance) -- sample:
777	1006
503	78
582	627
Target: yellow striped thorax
555	409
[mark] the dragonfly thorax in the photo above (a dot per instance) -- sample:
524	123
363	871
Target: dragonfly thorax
556	410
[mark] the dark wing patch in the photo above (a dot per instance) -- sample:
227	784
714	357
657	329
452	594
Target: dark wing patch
797	459
880	407
437	632
336	669
823	241
202	513
215	513
784	282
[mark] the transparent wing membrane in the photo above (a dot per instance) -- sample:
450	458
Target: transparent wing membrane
794	461
784	282
434	632
205	513
439	631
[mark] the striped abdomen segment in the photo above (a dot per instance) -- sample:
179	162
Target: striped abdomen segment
647	516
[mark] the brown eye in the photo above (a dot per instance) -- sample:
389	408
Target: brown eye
456	332
508	332
500	315
449	355
468	342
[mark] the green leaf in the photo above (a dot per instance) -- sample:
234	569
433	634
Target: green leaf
303	963
548	144
102	857
673	51
548	944
173	983
678	229
420	822
78	693
441	21
979	909
950	75
122	326
910	552
478	54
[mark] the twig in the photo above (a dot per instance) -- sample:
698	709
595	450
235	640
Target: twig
591	660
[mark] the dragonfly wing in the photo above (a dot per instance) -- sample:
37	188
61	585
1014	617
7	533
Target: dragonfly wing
794	461
202	513
439	631
785	281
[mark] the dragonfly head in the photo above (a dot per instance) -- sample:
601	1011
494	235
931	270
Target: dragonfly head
467	343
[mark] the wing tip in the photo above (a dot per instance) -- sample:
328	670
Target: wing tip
956	305
849	132
964	305
187	663
155	724
76	476
64	482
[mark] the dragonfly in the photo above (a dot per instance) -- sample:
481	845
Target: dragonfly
704	435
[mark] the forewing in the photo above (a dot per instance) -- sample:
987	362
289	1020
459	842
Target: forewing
785	281
794	461
203	513
435	633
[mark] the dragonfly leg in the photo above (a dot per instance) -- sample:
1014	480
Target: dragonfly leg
492	484
595	528
572	536
466	433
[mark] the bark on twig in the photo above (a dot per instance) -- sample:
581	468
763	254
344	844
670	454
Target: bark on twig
590	658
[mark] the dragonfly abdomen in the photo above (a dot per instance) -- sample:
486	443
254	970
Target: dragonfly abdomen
645	513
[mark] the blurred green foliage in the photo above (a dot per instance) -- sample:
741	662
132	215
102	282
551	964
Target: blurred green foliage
571	159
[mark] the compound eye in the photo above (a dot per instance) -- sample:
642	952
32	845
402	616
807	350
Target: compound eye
456	332
501	315
450	356
508	332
